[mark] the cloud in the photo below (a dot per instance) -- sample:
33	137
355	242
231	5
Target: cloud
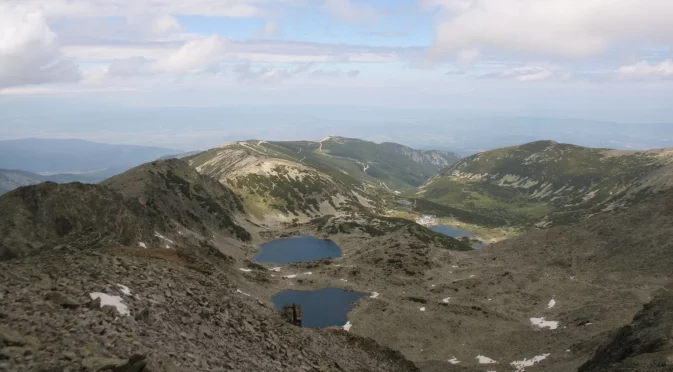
111	8
566	28
195	56
348	11
532	73
335	73
245	72
270	29
29	50
643	70
129	67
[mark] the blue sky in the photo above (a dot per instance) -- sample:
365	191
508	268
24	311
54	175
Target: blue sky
597	58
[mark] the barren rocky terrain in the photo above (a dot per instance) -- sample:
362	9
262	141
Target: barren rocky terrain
153	271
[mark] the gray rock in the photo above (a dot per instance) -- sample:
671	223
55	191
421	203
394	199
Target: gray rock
62	300
143	315
102	364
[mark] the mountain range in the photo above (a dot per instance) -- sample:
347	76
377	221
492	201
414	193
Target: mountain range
74	156
152	269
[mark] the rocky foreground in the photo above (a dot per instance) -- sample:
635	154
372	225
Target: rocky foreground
128	309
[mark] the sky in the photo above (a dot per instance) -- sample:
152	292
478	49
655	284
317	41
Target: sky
604	59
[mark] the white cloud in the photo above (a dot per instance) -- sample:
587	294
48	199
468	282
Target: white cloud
129	67
194	56
643	70
348	11
29	50
533	73
567	28
109	8
270	29
165	25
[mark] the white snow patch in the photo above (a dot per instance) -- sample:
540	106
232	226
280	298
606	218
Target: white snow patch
343	280
432	285
472	276
116	301
245	270
308	273
485	360
243	293
374	295
551	304
163	237
276	269
347	327
454	360
125	290
542	323
142	245
168	246
292	276
520	365
446	300
422	309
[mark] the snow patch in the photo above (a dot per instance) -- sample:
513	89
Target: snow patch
343	280
454	360
107	300
551	304
485	360
446	300
308	273
245	270
374	295
276	269
292	276
142	245
542	323
163	237
520	365
422	309
243	293
347	327
125	290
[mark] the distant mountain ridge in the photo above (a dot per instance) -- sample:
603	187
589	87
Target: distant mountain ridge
155	204
12	179
306	179
548	183
39	155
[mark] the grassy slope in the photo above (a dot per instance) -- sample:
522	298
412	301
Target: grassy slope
523	184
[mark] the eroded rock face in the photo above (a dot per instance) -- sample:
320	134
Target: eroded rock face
644	345
293	314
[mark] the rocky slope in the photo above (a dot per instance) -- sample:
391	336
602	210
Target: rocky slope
274	186
154	205
305	179
548	183
159	312
544	301
646	344
13	179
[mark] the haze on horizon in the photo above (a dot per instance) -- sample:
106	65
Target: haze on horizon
460	74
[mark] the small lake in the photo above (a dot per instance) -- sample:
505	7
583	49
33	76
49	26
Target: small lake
326	307
457	233
297	249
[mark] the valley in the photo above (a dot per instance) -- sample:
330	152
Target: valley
577	244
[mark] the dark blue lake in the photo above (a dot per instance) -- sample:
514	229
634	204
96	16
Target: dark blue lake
297	249
457	233
326	307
